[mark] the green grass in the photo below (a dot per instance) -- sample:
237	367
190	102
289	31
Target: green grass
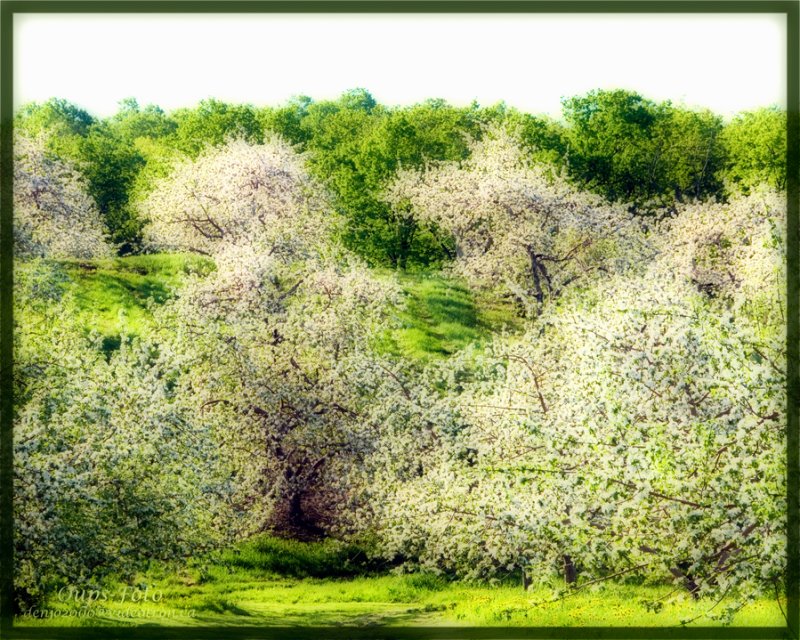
258	583
442	316
113	294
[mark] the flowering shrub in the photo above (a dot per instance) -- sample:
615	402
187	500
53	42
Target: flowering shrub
111	469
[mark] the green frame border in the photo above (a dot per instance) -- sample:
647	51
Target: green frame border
790	8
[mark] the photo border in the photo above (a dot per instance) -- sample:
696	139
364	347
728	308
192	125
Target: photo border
790	8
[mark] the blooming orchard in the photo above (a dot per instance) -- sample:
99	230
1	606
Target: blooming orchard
634	428
637	427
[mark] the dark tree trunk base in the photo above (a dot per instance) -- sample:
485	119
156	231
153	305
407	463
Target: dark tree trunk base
570	570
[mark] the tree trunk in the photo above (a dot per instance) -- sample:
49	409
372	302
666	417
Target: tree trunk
298	524
537	282
570	571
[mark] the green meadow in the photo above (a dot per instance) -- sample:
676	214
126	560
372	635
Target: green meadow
270	581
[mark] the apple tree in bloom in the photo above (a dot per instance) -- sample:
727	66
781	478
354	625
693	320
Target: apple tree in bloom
54	216
111	470
238	195
278	336
281	371
516	226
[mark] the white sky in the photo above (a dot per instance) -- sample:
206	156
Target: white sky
726	62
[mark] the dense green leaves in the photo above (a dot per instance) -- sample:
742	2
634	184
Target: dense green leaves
617	143
213	122
611	135
111	166
64	123
635	150
287	120
756	150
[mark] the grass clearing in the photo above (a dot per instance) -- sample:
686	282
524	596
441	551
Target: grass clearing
257	583
442	315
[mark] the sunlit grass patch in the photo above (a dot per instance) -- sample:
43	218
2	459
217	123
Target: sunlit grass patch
442	315
403	600
113	295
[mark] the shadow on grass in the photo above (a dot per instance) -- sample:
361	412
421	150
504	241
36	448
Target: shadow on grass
114	295
332	615
324	559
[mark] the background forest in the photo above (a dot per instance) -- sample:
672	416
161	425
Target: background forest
463	344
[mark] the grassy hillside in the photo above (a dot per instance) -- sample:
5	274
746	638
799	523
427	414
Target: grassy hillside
113	295
441	314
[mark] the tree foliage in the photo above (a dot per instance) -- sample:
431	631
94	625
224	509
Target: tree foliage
112	470
756	150
63	124
214	122
635	429
631	149
513	226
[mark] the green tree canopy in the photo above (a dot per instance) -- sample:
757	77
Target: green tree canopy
113	158
62	122
356	147
213	122
617	143
755	142
287	120
631	149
